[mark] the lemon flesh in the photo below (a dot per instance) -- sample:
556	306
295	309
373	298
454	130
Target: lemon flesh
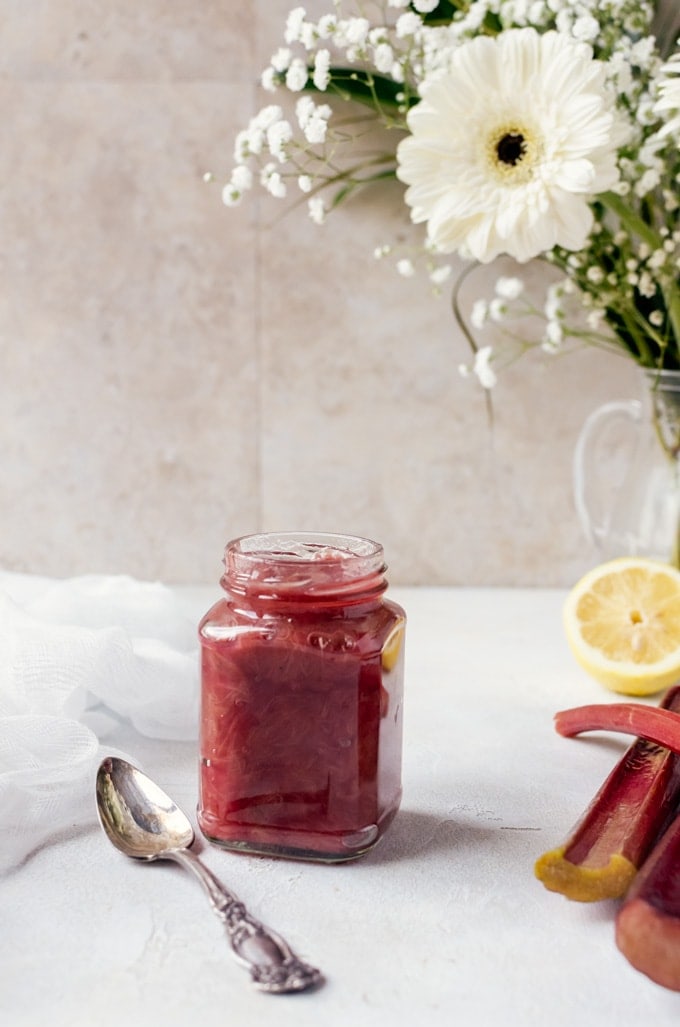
392	647
622	622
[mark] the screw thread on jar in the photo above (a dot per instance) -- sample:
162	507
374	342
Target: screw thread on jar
304	567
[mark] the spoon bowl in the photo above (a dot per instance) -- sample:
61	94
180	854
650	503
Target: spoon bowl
138	817
144	823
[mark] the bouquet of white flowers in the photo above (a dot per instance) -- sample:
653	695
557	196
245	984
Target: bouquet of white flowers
528	128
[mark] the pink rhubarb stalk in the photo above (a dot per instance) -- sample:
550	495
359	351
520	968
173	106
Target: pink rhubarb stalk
658	725
648	922
617	831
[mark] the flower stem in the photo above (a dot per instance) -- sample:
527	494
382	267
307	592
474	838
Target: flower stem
673	306
637	226
631	220
455	305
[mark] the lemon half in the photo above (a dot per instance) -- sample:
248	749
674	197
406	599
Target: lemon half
622	621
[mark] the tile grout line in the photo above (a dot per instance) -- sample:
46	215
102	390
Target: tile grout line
259	356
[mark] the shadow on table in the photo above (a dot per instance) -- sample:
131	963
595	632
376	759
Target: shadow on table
415	832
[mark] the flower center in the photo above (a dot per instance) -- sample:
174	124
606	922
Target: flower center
512	153
511	148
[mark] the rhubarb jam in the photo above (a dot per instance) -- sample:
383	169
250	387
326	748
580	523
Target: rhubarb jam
301	699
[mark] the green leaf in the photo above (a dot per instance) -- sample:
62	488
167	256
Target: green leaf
358	183
376	91
446	10
443	12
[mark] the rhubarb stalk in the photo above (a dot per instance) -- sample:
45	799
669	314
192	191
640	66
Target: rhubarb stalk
603	852
648	922
658	725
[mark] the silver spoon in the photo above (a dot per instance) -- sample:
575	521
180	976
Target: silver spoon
143	822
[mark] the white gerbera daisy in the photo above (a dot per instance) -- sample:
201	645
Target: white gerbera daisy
669	96
509	144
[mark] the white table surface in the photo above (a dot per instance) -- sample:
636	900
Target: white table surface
443	923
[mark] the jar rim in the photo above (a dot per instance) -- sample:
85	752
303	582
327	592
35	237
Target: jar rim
302	561
302	546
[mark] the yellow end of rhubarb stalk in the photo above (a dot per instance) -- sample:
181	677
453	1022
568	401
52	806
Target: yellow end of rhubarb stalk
584	884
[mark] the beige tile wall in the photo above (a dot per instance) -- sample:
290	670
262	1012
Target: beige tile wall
173	373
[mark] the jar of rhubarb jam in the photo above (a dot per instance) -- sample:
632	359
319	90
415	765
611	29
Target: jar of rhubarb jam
301	698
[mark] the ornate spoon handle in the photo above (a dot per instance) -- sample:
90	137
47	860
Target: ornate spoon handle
273	965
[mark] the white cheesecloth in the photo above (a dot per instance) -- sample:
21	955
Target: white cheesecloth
78	657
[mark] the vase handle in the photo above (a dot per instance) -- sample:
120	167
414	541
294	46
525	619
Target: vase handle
593	498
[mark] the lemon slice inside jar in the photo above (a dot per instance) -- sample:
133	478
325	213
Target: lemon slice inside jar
392	648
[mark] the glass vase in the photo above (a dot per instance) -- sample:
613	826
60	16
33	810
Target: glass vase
627	472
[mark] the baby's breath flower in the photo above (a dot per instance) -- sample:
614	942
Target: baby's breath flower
405	268
509	288
383	57
230	195
280	60
294	24
271	179
647	285
554	334
316	127
317	210
537	12
649	181
408	25
327	25
269	80
308	35
440	274
267	116
321	75
595	319
313	119
397	72
278	135
356	31
554	303
242	178
498	308
296	75
480	313
586	28
304	110
482	367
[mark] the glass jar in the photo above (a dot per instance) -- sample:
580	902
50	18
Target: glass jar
301	698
